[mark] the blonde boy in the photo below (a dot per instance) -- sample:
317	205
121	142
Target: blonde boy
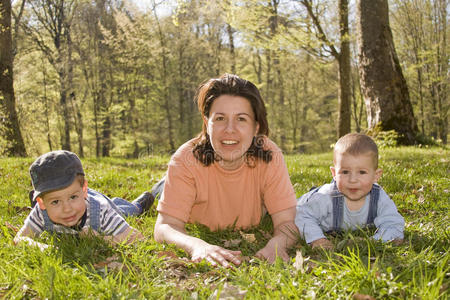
65	204
352	200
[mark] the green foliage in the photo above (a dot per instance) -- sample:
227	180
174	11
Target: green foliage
384	139
416	179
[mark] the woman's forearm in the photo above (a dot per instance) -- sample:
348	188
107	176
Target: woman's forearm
171	233
286	233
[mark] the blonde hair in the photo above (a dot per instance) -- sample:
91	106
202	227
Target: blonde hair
356	144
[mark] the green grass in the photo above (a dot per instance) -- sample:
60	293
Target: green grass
418	180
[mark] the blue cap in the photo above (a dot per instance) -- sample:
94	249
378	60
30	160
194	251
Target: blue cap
54	170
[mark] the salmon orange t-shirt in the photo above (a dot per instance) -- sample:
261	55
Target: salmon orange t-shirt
219	198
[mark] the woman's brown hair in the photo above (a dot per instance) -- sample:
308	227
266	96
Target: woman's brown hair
229	84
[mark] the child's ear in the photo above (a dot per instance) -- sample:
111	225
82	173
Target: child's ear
85	188
333	171
40	203
378	173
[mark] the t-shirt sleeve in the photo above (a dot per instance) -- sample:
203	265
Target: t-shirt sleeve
278	192
179	192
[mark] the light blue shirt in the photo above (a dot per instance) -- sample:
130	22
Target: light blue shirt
315	216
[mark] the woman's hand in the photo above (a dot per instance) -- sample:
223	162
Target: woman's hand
322	243
215	255
285	235
171	230
275	247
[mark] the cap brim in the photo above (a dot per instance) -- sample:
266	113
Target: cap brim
51	186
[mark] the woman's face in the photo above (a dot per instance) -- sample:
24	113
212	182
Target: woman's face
231	127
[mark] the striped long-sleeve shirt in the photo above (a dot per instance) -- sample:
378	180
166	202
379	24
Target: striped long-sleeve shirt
111	221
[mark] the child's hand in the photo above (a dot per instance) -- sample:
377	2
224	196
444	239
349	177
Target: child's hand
322	243
397	242
87	231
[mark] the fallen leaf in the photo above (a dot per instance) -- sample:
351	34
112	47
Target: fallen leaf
249	237
299	260
228	292
167	254
231	243
421	199
359	296
111	263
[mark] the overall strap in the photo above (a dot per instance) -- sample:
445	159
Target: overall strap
338	209
94	214
373	205
48	224
305	197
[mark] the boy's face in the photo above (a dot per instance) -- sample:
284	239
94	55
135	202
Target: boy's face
355	174
65	206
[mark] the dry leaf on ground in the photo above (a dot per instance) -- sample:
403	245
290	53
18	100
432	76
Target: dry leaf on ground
111	263
228	291
299	260
249	237
231	243
359	296
167	254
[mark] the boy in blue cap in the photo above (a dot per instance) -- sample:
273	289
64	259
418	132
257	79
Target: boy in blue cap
66	204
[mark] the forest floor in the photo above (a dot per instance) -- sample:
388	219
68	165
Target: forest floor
417	179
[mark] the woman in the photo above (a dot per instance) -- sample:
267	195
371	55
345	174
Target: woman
227	176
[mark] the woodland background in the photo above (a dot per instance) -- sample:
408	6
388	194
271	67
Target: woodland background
118	78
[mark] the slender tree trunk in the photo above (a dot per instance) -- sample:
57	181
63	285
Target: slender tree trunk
98	140
304	111
257	66
344	117
384	87
78	123
443	64
65	136
46	105
232	54
343	59
9	121
165	93
181	94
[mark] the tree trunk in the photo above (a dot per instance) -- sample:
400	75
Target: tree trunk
383	85
165	91
232	53
9	121
46	105
343	59
65	136
443	72
344	116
